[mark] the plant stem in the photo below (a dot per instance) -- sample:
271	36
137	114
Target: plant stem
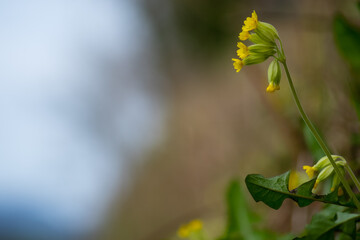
350	171
353	177
319	139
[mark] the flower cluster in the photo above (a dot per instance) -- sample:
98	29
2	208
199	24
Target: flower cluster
264	37
324	170
193	227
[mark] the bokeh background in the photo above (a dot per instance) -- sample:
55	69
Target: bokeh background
123	119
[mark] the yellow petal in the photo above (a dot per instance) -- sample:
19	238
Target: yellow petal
309	171
238	64
272	87
244	35
254	16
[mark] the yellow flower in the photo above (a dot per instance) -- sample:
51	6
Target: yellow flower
183	232
309	171
243	50
196	225
250	22
238	64
187	229
244	35
272	88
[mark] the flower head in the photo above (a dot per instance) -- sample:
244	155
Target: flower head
243	50
323	163
309	171
238	64
274	76
251	22
244	35
267	31
272	87
326	169
265	46
187	229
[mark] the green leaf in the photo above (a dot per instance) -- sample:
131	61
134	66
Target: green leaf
236	218
333	218
239	223
273	191
349	228
344	236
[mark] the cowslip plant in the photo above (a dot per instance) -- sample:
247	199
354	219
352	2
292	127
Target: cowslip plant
340	217
265	43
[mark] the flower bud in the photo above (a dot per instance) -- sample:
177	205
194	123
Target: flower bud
324	161
274	76
267	50
325	173
255	58
336	180
267	32
258	40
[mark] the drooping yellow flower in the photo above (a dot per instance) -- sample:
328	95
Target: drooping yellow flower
244	35
272	87
187	229
238	64
309	171
243	50
250	22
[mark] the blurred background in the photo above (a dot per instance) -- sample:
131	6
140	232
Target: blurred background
123	119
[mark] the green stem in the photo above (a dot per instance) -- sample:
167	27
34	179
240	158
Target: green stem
353	177
319	139
350	171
